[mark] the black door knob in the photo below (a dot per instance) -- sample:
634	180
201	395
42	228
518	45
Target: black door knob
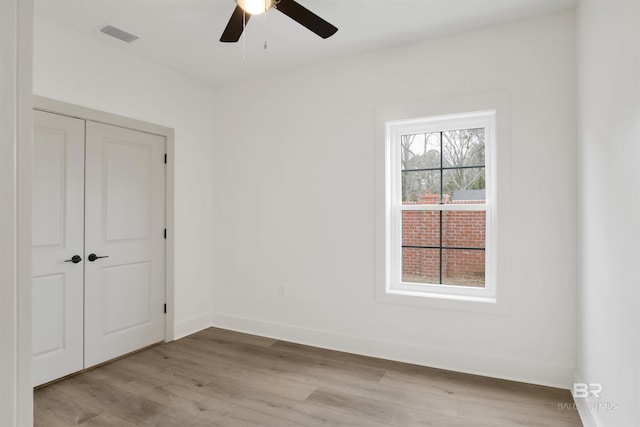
74	259
93	257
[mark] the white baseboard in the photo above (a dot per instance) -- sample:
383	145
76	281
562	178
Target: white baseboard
193	325
509	369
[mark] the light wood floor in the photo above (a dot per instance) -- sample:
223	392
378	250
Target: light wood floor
223	378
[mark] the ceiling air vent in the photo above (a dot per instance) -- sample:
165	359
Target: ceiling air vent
119	34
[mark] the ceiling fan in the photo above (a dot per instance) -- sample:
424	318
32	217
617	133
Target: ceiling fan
291	8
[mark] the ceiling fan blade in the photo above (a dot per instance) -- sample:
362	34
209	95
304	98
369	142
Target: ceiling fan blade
236	25
305	17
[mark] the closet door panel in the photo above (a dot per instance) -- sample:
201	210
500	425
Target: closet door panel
124	220
57	230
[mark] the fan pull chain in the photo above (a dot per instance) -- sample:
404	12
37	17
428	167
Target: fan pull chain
266	26
244	36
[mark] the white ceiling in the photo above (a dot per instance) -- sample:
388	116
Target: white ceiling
184	34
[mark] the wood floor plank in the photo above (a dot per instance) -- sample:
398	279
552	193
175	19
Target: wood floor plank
302	413
473	389
443	383
466	385
55	407
177	393
276	360
508	415
370	410
218	368
106	419
124	383
101	397
385	395
223	378
226	411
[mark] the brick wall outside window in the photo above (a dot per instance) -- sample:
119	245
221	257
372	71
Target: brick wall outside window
460	229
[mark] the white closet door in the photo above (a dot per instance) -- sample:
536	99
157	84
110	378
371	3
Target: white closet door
124	223
58	218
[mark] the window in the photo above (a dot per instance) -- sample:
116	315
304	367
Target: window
439	191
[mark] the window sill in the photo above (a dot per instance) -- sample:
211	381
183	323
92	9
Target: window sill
443	301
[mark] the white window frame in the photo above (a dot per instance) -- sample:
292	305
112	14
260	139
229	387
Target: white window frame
394	130
496	297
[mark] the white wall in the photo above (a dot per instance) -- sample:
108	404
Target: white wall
71	67
609	208
16	401
294	180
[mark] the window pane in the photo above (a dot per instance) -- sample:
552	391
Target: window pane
463	147
421	228
464	186
421	187
463	267
420	265
464	229
420	151
461	186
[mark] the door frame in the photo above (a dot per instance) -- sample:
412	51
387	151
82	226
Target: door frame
63	108
16	52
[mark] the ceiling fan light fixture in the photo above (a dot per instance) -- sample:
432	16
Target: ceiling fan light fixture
255	7
291	8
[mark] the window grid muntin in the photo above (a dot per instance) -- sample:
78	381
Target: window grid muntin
443	168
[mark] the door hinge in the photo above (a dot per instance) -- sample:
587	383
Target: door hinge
165	309
165	233
165	159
